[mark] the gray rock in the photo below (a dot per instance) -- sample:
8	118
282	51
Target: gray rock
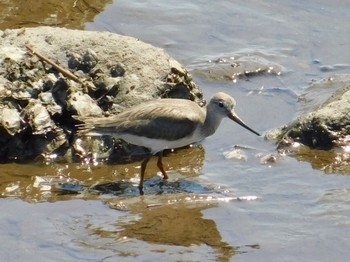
10	120
103	73
325	123
83	105
38	118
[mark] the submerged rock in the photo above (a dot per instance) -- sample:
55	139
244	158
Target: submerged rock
44	83
236	67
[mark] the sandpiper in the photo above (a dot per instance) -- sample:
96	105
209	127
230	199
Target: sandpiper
164	124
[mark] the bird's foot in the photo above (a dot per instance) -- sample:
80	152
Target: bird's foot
141	190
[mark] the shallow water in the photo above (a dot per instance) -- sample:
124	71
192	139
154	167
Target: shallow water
76	212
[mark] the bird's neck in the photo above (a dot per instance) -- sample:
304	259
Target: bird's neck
211	123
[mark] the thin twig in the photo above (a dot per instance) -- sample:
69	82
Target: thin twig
60	69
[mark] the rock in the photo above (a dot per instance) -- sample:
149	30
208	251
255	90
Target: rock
92	74
84	62
236	154
83	105
52	107
321	134
10	120
323	126
236	67
38	118
268	159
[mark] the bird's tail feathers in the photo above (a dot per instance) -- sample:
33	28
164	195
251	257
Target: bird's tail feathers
85	127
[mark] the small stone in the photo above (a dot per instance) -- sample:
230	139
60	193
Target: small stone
268	159
235	154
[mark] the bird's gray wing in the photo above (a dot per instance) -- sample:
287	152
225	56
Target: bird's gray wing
151	120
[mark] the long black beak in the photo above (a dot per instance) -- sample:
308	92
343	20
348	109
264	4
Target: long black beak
235	118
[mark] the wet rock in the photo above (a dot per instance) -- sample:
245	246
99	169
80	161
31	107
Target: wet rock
268	159
82	73
323	126
236	67
236	154
93	148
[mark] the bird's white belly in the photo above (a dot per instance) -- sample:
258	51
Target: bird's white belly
156	145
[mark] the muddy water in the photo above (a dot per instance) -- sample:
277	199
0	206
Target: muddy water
72	14
250	207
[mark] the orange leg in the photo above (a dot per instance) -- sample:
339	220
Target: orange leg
143	169
160	165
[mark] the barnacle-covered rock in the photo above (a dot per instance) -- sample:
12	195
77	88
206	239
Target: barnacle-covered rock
321	134
60	92
106	85
5	88
49	102
38	118
324	124
83	105
179	84
49	75
85	62
10	120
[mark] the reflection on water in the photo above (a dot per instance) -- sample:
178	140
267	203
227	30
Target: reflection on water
303	215
179	223
70	14
150	218
331	211
334	161
54	181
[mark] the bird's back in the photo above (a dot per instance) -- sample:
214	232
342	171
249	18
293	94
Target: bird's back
165	119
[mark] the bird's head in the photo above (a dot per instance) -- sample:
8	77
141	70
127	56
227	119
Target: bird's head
224	104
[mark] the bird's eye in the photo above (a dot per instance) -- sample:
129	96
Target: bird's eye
221	104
